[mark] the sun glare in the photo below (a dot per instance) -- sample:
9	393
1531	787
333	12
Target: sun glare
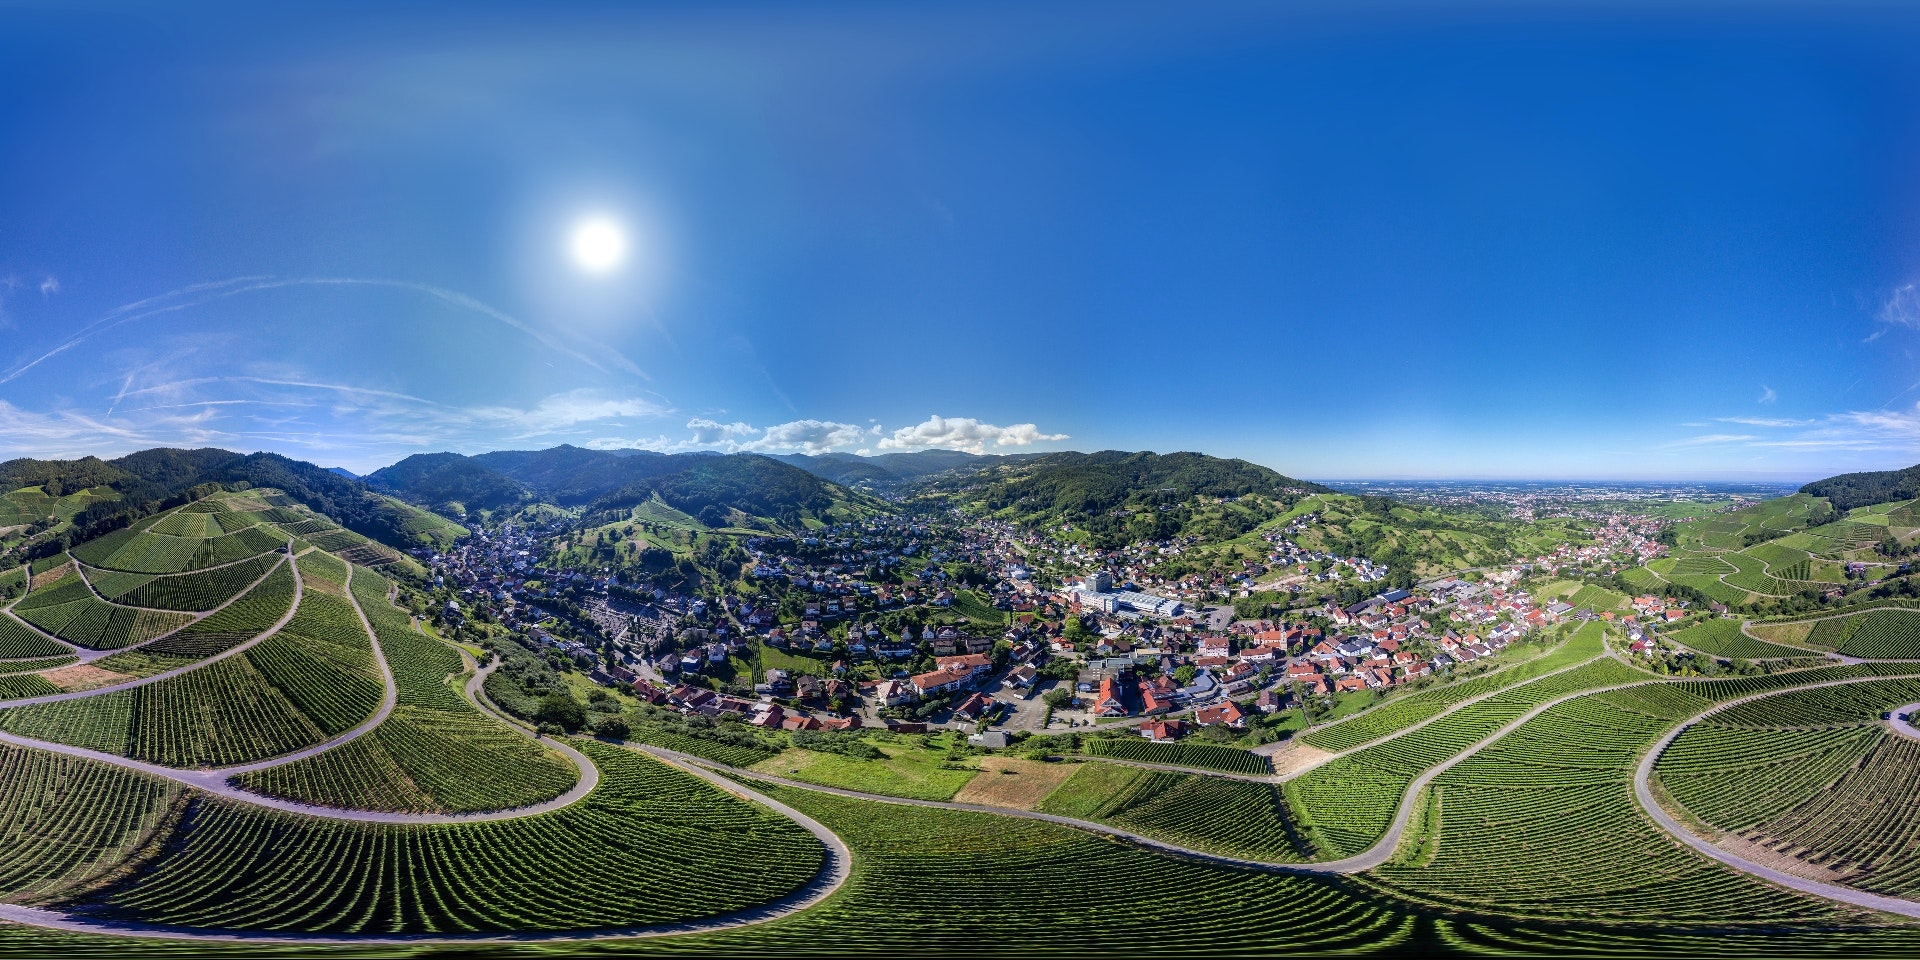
598	245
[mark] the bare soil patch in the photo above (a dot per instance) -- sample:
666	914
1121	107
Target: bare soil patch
84	676
1297	757
1013	782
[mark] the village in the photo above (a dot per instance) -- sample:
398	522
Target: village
928	622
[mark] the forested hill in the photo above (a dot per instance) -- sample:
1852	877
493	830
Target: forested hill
1116	497
707	485
1850	490
144	482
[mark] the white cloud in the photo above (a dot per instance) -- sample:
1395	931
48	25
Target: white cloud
712	433
1712	439
810	437
964	433
49	286
1767	395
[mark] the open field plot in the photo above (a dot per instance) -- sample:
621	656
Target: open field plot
66	822
1015	782
911	769
436	753
1723	638
1876	634
663	845
1346	804
1543	823
1811	778
1204	755
1233	817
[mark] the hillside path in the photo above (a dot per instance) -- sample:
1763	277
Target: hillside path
1905	727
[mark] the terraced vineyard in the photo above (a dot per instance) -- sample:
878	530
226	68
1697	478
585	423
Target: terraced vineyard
202	590
68	609
663	845
1346	804
1813	779
1723	638
1236	818
18	642
65	823
435	753
1876	634
1203	755
313	680
1543	823
920	871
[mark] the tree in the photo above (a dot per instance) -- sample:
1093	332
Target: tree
1184	674
560	708
1058	697
612	728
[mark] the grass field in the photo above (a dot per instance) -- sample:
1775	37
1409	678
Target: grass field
1723	638
909	770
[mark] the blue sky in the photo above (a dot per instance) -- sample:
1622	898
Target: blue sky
1342	240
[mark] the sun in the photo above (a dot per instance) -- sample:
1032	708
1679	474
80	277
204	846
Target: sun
598	245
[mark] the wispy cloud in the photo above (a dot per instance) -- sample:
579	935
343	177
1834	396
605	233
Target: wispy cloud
1712	439
1901	308
49	286
1873	431
1767	395
194	295
1760	422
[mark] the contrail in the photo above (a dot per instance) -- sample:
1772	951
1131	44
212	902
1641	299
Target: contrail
196	294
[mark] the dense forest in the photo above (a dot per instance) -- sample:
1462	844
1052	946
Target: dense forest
1851	490
1120	497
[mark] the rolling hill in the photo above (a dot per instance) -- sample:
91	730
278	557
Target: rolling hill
1850	490
117	492
709	485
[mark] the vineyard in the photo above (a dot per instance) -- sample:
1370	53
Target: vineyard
662	846
1346	804
1236	818
1876	634
313	680
65	823
435	753
67	609
1543	823
18	642
1723	638
1812	777
1206	756
203	590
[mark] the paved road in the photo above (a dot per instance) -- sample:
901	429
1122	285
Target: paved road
1905	727
1643	792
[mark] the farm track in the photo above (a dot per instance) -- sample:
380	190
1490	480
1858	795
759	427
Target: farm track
1643	792
88	655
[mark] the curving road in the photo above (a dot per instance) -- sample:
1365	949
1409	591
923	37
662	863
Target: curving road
1904	727
1643	792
